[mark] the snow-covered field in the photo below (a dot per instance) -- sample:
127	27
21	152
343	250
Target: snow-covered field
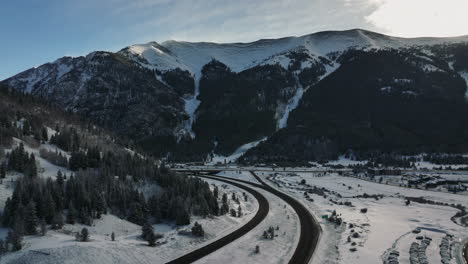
387	225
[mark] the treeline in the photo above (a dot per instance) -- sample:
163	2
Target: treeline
55	157
107	178
113	187
21	161
28	118
391	160
350	110
446	159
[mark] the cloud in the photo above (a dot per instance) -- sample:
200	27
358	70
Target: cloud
417	18
243	20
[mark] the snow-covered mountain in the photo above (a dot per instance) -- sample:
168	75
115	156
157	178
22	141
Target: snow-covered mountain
241	56
194	99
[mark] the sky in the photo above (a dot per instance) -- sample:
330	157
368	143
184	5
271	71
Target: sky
34	32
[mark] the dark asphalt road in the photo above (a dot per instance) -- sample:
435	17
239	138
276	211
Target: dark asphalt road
310	229
262	212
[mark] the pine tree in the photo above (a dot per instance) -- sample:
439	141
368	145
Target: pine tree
44	135
233	212
3	170
48	206
146	230
30	168
71	214
154	208
136	214
15	239
18	225
224	208
84	235
151	239
3	247
239	211
113	236
43	228
182	217
59	179
57	221
100	206
214	206
215	192
197	230
271	232
31	220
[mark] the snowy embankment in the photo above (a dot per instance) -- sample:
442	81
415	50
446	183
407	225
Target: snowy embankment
236	154
464	75
292	104
191	106
239	175
60	247
278	250
386	226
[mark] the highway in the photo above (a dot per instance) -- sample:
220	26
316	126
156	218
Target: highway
310	228
262	212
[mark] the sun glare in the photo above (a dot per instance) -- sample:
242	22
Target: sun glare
417	18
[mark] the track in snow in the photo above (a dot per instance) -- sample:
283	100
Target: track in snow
262	212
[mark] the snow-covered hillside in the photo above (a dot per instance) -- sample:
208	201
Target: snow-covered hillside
128	247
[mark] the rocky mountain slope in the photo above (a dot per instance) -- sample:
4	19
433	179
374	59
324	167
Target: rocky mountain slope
313	97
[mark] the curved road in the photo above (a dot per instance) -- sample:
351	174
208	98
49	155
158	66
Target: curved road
262	212
310	228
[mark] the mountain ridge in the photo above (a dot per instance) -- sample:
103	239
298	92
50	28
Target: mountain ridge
183	98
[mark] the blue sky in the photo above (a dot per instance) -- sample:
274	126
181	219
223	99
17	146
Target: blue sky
38	31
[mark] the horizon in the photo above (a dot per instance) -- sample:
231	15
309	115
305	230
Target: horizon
59	29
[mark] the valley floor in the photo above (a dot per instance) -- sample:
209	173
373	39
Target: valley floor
383	232
387	225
